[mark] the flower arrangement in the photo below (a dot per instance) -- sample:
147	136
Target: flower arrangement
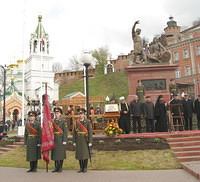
112	129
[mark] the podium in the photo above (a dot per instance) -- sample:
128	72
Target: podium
177	120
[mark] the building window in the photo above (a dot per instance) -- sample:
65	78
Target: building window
176	56
198	50
185	54
187	71
178	73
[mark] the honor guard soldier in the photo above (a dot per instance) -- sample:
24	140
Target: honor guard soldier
32	141
58	154
82	139
172	88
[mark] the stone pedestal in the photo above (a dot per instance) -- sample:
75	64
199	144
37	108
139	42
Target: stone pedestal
155	78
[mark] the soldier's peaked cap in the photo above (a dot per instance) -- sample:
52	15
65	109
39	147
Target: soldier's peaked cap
32	113
58	109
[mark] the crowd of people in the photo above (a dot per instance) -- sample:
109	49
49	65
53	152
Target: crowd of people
157	116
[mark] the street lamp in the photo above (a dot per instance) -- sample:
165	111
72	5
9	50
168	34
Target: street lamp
4	96
86	60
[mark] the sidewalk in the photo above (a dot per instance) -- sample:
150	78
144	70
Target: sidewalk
19	175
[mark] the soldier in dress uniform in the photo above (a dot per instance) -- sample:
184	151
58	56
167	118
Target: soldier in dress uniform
140	91
82	140
58	154
32	140
172	88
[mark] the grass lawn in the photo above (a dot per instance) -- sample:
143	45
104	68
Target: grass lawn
103	160
12	132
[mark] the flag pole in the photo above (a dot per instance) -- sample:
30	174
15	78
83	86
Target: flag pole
46	96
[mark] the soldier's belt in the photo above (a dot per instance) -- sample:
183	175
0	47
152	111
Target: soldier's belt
81	133
32	135
57	132
140	91
173	89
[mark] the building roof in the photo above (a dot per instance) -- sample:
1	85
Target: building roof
40	32
12	88
68	96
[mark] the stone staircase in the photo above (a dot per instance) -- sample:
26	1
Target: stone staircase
186	147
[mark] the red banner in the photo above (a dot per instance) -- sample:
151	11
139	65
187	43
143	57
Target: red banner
47	131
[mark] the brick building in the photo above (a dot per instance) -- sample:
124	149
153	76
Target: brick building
185	50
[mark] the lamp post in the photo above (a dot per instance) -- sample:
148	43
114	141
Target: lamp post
4	96
86	60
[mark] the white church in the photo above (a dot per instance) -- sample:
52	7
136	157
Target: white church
38	73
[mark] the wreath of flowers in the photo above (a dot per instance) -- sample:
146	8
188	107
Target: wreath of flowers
112	129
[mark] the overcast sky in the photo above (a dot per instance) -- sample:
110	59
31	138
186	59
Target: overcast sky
77	25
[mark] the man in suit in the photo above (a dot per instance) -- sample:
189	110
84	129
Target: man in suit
197	110
187	111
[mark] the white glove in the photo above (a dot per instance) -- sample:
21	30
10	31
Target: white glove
74	144
89	144
38	145
64	143
25	146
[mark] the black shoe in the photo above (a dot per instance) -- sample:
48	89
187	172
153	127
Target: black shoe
30	170
55	170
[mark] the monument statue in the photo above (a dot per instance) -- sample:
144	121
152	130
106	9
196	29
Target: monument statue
138	51
144	54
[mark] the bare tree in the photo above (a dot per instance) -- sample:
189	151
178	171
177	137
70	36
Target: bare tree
101	55
196	22
57	67
75	64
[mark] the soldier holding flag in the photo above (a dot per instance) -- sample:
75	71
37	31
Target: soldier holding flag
82	139
58	154
32	141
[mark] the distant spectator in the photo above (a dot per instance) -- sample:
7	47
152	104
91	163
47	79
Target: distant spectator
161	115
149	114
187	111
197	110
135	108
124	120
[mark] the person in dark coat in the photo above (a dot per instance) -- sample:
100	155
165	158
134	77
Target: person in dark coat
135	109
82	140
149	114
58	154
187	111
197	110
176	109
32	141
124	120
161	115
